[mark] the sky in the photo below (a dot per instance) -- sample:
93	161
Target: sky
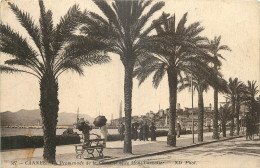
100	90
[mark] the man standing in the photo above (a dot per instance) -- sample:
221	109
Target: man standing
134	131
178	130
145	132
209	127
153	133
121	131
141	132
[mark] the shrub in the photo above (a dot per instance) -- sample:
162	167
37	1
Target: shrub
113	137
19	142
165	132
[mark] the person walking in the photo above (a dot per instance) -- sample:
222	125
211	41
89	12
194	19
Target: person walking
145	132
178	130
121	131
153	133
141	132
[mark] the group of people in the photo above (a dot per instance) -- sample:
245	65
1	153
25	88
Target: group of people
139	131
86	128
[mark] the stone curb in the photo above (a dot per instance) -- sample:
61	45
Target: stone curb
166	151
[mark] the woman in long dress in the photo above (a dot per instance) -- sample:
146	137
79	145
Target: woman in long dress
104	133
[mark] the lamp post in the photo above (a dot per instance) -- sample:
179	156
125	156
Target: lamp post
192	110
209	124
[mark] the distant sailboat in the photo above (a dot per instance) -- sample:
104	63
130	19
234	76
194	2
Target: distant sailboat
78	115
111	118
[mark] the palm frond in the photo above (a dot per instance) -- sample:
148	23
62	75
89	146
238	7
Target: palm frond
184	85
225	112
147	64
6	69
107	10
180	27
158	75
14	44
48	34
71	65
84	51
214	47
143	20
67	25
26	21
155	23
224	47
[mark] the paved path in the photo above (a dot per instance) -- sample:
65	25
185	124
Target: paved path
235	153
37	152
114	151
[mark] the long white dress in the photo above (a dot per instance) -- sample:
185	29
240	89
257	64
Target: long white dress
104	133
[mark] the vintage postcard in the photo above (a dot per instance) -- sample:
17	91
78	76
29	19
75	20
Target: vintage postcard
139	83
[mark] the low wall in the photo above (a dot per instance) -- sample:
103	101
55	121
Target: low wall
21	141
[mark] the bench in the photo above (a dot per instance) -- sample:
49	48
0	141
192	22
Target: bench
90	146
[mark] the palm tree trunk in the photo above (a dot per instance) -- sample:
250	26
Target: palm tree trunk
200	116
232	119
232	127
49	105
237	118
128	86
172	82
224	128
215	115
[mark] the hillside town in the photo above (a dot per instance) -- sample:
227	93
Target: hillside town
183	117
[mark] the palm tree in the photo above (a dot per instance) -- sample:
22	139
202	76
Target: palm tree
200	85
225	115
234	89
53	54
201	81
215	47
124	23
173	50
241	97
258	107
251	101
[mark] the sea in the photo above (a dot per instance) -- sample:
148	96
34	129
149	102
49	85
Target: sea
39	131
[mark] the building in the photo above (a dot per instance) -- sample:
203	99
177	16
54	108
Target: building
161	118
160	113
150	114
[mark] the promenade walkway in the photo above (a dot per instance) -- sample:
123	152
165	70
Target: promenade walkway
113	153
